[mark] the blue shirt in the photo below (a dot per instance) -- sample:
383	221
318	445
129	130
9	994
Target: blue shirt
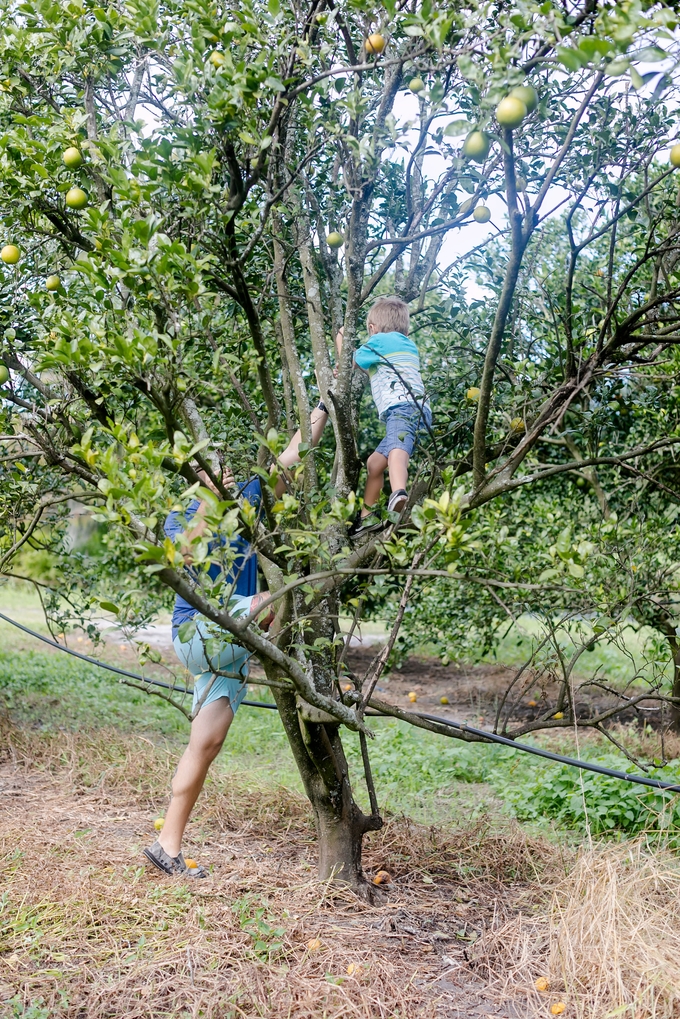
393	365
245	565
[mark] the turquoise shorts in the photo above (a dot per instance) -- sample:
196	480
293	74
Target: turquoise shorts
230	658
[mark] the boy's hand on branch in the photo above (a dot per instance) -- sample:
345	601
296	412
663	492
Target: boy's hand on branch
268	617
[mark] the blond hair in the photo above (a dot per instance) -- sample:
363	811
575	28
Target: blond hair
389	314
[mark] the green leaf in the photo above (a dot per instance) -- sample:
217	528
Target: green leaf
569	58
186	631
109	606
456	128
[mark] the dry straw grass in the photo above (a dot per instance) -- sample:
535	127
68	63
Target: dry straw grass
609	943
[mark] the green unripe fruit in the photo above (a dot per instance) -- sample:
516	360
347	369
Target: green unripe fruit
52	283
510	112
335	239
10	334
72	158
675	155
4	374
10	254
520	183
416	85
527	94
217	59
477	146
482	214
76	198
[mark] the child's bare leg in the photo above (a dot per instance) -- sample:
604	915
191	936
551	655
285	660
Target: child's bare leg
375	467
398	468
291	454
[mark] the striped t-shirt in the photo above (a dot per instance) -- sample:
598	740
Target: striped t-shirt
393	365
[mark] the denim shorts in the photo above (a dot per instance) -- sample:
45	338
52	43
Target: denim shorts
403	422
229	658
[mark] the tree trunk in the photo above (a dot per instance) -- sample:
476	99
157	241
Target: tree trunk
665	624
340	824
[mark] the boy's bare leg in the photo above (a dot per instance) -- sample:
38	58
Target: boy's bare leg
291	455
208	732
398	468
376	466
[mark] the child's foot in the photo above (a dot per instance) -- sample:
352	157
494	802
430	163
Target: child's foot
397	501
363	525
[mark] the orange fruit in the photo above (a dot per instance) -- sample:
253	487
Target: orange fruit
314	944
375	43
532	704
382	878
353	968
191	864
558	1008
542	984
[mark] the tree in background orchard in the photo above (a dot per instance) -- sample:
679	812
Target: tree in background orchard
218	190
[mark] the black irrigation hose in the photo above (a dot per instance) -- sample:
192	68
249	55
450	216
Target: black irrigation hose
491	737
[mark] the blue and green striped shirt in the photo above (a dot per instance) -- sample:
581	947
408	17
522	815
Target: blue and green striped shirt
393	365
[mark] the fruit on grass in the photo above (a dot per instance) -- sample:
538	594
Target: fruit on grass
517	425
482	214
416	85
216	58
10	254
52	283
4	374
413	696
71	157
443	700
353	968
76	198
191	864
314	944
382	878
675	154
527	94
335	239
476	146
510	112
158	823
375	43
558	714
473	393
542	984
558	1008
532	704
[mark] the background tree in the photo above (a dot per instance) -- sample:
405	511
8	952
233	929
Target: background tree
171	175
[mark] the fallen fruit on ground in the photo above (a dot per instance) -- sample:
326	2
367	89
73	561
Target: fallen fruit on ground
52	283
216	58
76	198
353	968
416	85
382	878
526	94
443	700
558	1008
476	146
482	214
4	374
532	704
413	696
375	43
71	157
191	864
675	154
335	239
558	714
510	112
314	944
158	823
473	393
10	254
542	984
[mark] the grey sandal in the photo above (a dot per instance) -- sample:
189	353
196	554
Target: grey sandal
156	855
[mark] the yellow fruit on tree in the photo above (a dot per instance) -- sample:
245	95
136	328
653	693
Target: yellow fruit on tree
517	424
510	112
476	146
52	283
473	393
71	157
216	58
675	155
527	94
416	85
10	254
520	183
4	374
335	239
482	214
76	198
375	43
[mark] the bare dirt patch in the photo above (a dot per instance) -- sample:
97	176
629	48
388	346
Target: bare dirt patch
88	931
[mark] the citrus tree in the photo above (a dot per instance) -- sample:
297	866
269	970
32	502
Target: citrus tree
196	197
